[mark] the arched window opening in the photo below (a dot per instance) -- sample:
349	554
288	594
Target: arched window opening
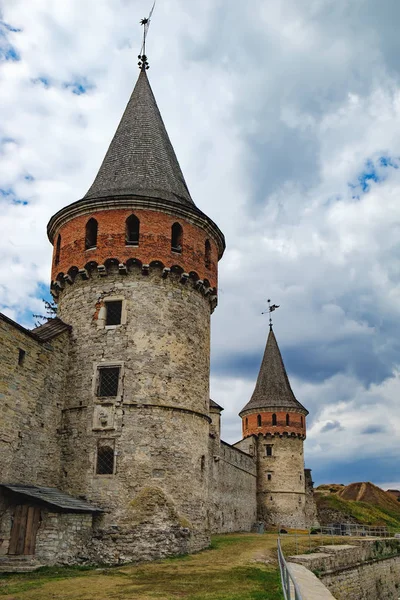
176	237
91	234
105	461
274	419
58	250
247	422
287	420
302	421
258	420
132	230
207	254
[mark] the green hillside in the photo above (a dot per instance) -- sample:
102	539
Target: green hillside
370	506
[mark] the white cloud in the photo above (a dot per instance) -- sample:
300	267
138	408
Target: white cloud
284	107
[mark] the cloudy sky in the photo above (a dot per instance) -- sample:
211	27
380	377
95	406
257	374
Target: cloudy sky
285	118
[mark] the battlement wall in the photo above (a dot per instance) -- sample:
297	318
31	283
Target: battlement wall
232	489
31	396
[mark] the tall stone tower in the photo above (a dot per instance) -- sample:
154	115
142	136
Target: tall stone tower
135	275
277	423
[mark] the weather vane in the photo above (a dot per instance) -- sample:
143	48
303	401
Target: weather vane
143	62
271	308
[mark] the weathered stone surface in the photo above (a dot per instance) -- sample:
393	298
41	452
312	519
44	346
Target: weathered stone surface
31	397
361	570
233	476
160	427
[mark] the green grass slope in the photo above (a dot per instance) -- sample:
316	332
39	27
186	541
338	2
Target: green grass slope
363	503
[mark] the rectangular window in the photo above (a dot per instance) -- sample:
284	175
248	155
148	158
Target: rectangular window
21	356
269	476
108	381
105	458
113	312
268	450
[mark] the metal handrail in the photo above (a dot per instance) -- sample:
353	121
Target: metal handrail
287	578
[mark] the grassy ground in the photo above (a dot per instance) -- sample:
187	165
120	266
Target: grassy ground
236	567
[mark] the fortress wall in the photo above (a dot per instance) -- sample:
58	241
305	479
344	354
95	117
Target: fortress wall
362	570
31	397
233	490
379	579
156	426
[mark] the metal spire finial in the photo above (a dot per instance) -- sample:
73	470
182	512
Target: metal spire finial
143	62
271	308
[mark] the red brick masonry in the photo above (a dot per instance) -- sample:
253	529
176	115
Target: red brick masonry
295	423
154	243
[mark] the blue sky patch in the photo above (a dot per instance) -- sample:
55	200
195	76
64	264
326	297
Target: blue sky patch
373	172
80	86
7	51
44	81
10	195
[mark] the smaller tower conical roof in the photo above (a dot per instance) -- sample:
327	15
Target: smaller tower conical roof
273	389
140	160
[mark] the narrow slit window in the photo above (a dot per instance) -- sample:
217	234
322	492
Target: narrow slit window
113	312
176	237
207	254
258	420
105	460
269	476
91	234
274	419
21	356
132	231
287	420
108	381
268	450
58	250
247	422
302	421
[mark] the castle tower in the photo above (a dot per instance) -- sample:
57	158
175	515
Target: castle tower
135	275
277	422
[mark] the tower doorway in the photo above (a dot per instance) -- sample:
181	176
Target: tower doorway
24	529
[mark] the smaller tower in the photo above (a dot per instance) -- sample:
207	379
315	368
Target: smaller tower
278	423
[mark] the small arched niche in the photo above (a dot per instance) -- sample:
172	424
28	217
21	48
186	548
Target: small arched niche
287	419
274	419
132	230
258	420
176	237
58	250
207	254
91	234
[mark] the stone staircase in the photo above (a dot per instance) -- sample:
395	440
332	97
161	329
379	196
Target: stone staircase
18	564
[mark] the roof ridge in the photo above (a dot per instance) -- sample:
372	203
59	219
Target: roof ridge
140	159
273	389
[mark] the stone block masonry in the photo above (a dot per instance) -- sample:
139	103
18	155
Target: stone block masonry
232	489
32	382
157	422
361	570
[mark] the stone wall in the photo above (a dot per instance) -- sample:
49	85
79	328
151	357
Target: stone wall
362	570
157	425
31	399
63	538
232	489
371	581
281	496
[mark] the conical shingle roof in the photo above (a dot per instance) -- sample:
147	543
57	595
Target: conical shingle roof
140	160
273	389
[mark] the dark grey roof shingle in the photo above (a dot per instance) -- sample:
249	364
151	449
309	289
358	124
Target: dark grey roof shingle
215	405
51	329
52	496
273	389
140	159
